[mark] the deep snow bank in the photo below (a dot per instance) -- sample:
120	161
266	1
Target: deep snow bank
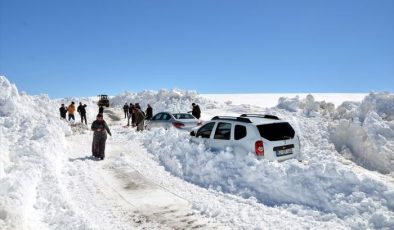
363	132
32	141
174	100
307	106
322	184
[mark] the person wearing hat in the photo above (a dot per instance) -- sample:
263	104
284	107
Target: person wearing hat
131	115
149	112
100	128
139	118
82	112
126	110
63	111
196	111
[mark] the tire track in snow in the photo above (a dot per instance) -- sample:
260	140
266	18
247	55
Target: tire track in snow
151	200
120	197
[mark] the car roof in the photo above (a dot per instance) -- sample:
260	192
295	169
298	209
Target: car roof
181	113
263	121
172	114
250	119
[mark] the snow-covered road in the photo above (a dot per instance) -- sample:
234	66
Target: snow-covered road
120	197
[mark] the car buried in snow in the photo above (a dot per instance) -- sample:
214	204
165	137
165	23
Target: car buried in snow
265	135
167	120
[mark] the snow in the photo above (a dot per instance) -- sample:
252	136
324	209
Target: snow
174	100
159	179
267	100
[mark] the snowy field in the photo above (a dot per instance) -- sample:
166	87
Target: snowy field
158	179
271	99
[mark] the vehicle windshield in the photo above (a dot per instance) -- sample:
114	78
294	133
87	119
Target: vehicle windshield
276	131
183	116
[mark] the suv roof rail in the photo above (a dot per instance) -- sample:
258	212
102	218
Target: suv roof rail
261	116
229	118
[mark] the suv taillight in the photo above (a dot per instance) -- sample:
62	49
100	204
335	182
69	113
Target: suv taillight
178	125
259	147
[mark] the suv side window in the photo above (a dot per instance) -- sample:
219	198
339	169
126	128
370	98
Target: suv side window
205	131
239	132
157	116
223	131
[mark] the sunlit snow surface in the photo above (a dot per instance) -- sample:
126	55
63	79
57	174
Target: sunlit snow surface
49	181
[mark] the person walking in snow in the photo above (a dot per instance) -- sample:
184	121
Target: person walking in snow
82	112
149	113
139	118
71	110
101	109
63	111
100	128
196	111
126	110
131	115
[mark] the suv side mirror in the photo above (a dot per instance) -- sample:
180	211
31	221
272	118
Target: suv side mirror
192	133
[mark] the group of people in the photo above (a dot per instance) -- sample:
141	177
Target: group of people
70	109
134	113
99	126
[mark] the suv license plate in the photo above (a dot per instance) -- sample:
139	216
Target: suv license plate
284	152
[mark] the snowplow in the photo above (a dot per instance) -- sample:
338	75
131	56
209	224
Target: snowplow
103	100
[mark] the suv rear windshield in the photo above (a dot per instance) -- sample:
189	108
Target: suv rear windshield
276	131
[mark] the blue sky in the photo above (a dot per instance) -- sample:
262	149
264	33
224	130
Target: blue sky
84	48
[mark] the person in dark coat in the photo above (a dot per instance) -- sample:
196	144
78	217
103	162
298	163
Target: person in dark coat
101	109
63	111
196	111
100	128
139	119
82	112
149	113
131	116
126	110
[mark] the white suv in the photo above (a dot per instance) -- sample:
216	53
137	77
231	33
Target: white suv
265	135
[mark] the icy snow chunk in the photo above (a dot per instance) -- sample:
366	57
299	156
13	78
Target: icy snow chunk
381	221
376	127
367	145
8	97
290	104
347	110
365	132
174	100
308	106
382	103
